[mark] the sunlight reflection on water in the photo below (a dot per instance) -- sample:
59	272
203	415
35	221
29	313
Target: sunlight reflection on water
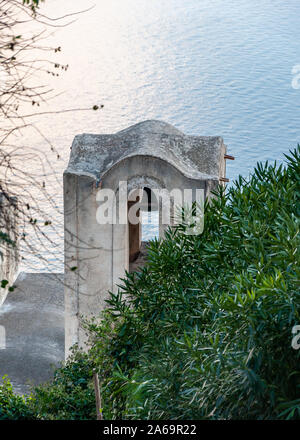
203	67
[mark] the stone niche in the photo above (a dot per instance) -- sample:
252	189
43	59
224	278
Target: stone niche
9	253
152	155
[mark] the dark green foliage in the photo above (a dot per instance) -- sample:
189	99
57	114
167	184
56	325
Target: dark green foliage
204	331
33	4
12	406
4	237
70	395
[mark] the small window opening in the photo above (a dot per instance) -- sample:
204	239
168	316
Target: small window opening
147	229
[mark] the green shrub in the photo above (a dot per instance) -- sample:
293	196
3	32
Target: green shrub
70	395
204	331
12	406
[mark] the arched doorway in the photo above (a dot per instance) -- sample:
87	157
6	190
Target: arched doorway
147	228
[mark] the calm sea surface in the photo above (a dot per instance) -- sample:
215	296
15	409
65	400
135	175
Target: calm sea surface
209	67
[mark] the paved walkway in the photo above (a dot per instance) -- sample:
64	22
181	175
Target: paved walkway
32	318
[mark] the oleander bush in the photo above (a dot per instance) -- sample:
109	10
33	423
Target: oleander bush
204	330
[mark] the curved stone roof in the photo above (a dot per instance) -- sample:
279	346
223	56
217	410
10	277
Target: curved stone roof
197	157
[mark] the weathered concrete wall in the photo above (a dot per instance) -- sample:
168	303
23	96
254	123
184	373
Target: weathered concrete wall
9	253
95	255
